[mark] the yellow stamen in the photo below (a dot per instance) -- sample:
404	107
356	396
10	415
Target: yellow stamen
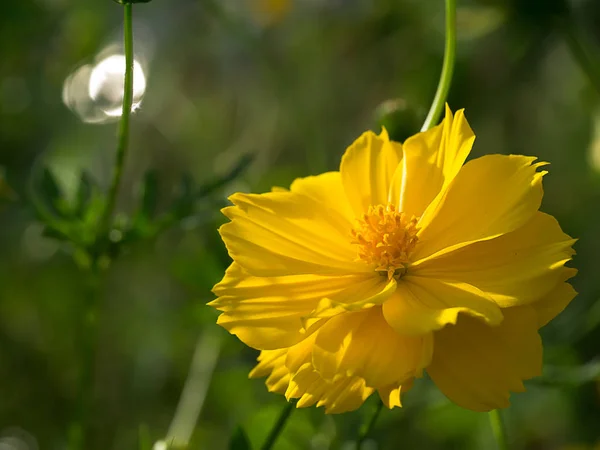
385	239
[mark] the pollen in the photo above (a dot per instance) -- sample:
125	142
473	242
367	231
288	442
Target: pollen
385	239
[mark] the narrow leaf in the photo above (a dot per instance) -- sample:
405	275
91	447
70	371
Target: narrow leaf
239	440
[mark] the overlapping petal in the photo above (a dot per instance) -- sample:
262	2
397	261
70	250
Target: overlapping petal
345	393
271	364
421	305
490	196
391	395
431	161
272	312
362	293
290	372
548	307
516	268
327	189
477	366
367	169
289	233
363	344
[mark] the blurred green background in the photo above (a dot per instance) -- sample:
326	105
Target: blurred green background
293	83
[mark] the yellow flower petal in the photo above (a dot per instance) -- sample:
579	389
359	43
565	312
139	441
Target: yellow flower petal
432	159
300	354
328	189
359	295
391	395
367	169
421	305
477	366
553	303
363	344
271	365
516	268
271	312
490	196
286	233
343	393
290	372
340	395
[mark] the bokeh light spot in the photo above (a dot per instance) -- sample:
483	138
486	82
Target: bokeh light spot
95	92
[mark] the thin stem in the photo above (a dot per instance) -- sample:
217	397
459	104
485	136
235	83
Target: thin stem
443	88
368	426
498	429
82	428
278	427
194	391
577	48
123	133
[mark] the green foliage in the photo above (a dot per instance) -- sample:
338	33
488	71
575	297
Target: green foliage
239	440
6	193
76	221
243	106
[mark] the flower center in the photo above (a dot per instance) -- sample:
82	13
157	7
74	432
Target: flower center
385	239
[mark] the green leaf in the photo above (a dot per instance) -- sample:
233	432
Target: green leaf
239	440
240	166
141	224
51	208
84	193
6	193
50	191
82	258
53	233
94	209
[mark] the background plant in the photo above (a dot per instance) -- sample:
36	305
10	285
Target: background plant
100	313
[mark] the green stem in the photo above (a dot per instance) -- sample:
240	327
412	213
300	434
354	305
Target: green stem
498	429
278	427
443	88
82	427
123	134
368	426
194	391
81	430
577	48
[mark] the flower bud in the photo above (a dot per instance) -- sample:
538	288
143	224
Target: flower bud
398	119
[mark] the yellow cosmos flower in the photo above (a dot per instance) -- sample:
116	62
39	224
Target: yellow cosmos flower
355	282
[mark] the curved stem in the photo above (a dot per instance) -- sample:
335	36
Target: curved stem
447	68
368	426
278	427
498	429
577	48
123	133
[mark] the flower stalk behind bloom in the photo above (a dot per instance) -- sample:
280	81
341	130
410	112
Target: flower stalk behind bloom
405	260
